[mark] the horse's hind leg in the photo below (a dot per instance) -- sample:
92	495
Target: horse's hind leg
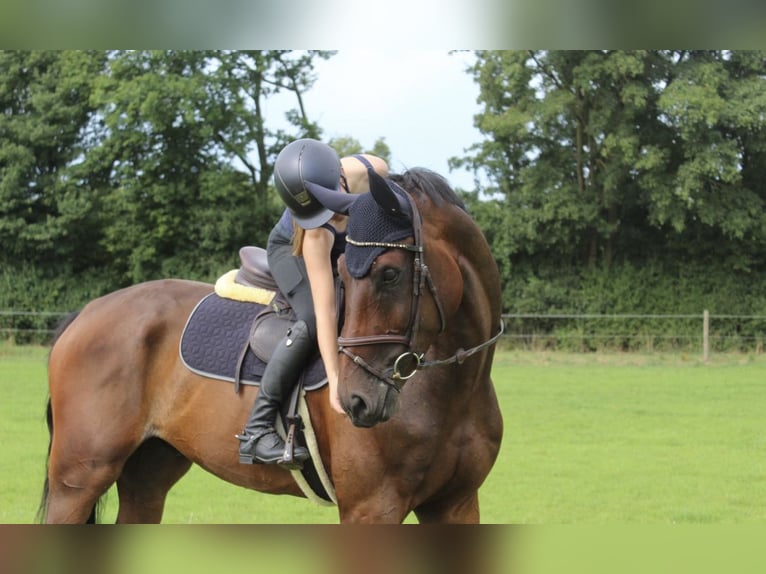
147	477
75	485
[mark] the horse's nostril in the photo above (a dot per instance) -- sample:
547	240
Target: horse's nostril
358	406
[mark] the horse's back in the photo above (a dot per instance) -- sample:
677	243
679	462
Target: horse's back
145	303
151	295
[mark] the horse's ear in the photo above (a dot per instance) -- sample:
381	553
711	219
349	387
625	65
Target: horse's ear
332	199
385	196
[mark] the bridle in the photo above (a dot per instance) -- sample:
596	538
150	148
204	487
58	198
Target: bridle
410	362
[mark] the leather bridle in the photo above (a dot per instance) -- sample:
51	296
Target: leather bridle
408	363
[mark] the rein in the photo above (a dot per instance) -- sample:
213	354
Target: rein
408	363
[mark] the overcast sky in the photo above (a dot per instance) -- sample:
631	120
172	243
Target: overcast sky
422	102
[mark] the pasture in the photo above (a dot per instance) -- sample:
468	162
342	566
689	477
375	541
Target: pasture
589	439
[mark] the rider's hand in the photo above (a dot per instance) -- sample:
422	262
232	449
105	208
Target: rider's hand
334	399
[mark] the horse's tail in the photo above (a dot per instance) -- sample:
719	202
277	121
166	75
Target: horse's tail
42	510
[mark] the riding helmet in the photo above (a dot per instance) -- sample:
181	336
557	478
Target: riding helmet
306	161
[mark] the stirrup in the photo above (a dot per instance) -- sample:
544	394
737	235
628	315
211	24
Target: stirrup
249	455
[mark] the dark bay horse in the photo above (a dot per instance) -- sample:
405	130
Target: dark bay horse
123	408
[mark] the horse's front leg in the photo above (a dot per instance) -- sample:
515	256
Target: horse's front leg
385	551
455	510
383	506
370	496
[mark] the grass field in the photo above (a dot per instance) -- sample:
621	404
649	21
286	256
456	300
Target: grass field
589	439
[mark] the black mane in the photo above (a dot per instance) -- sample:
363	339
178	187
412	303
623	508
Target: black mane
429	183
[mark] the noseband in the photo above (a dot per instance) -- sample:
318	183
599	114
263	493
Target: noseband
408	363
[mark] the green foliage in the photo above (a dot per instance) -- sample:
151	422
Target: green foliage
124	166
48	294
46	207
175	122
346	146
600	171
609	156
135	165
655	288
624	182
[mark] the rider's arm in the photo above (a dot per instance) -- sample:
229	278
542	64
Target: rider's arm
317	245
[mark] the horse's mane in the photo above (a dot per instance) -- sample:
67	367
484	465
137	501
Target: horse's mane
429	183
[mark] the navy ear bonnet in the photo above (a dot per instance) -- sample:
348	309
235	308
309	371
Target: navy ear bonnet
369	222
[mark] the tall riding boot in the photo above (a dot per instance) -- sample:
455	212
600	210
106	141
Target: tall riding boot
259	442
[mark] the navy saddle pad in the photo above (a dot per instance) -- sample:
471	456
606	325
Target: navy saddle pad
215	334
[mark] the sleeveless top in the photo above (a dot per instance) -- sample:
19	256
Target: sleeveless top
285	228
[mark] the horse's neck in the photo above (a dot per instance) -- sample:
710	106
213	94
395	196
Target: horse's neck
477	318
481	304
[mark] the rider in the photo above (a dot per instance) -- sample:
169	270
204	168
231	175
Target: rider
303	251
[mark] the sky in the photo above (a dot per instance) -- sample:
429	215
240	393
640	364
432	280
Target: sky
422	102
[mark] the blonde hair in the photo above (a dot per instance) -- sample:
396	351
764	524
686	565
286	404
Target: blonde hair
298	234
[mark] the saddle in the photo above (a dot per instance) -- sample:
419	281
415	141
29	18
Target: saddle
254	270
258	286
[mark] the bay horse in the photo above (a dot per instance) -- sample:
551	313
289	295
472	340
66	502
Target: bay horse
423	425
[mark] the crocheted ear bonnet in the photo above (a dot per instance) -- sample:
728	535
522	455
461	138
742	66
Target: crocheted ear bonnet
370	223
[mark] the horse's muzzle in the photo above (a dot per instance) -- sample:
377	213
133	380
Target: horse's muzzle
369	408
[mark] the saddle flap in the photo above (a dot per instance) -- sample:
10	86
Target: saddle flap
269	327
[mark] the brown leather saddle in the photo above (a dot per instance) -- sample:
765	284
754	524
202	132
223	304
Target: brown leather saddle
275	319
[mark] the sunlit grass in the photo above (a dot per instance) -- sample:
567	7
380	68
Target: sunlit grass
602	439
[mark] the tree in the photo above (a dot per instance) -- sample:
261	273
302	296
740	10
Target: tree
713	194
176	125
349	146
603	154
156	145
47	212
241	82
122	166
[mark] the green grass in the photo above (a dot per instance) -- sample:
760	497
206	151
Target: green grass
589	439
629	439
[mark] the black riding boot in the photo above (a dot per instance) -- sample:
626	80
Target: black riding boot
259	442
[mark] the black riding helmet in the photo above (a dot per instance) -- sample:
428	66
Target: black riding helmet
303	164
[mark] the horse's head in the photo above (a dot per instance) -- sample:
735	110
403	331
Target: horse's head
403	283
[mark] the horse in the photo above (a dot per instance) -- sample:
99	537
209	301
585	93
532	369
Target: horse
422	427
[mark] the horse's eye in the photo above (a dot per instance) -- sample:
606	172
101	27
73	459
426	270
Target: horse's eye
390	275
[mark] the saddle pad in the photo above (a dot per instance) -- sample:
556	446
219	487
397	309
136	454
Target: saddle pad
228	288
215	335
